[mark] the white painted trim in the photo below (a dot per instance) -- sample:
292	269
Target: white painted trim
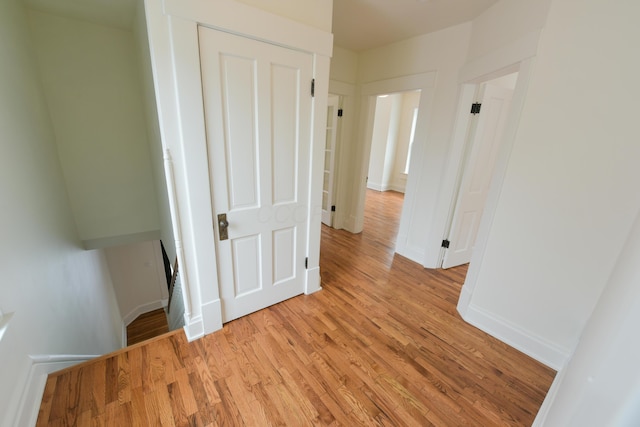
454	169
41	367
386	187
399	84
212	316
541	417
377	187
424	82
317	139
312	281
517	104
241	19
527	342
193	327
143	308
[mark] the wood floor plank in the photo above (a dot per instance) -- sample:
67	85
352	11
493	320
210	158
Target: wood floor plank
381	345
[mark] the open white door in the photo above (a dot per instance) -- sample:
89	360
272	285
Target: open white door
329	160
476	178
258	113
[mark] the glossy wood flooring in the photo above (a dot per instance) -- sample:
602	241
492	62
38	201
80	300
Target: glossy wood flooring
381	344
147	325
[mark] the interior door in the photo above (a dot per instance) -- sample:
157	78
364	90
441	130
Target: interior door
329	160
476	177
258	118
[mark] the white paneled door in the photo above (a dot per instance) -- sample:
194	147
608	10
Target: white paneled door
257	100
477	174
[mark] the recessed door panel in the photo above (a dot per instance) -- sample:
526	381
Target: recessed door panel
286	84
284	250
246	265
238	82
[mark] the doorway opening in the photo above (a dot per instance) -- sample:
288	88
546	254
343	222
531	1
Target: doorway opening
392	136
485	128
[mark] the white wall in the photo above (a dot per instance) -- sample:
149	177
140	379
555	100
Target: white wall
570	192
506	22
138	277
61	295
384	135
92	86
344	65
601	384
390	141
410	101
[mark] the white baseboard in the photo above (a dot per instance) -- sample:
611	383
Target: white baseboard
313	281
413	253
377	187
534	346
398	188
193	327
143	308
41	367
541	417
212	316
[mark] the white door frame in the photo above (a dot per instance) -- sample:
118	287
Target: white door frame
473	133
519	60
173	41
424	82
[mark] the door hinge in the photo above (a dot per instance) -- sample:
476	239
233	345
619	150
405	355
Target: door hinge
333	208
475	108
340	112
445	244
313	87
306	263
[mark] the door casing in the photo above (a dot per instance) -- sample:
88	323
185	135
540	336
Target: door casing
173	40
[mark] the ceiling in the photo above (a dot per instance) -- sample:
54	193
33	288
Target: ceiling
357	24
365	24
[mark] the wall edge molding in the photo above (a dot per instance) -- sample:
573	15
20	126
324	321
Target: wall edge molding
41	367
143	308
527	342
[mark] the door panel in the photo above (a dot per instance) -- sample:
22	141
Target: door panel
257	115
477	174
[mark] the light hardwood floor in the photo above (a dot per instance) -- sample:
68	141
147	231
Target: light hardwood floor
147	325
381	344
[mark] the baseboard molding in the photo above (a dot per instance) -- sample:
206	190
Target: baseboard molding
536	347
312	281
397	188
212	316
412	253
541	417
377	187
143	308
193	328
41	367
